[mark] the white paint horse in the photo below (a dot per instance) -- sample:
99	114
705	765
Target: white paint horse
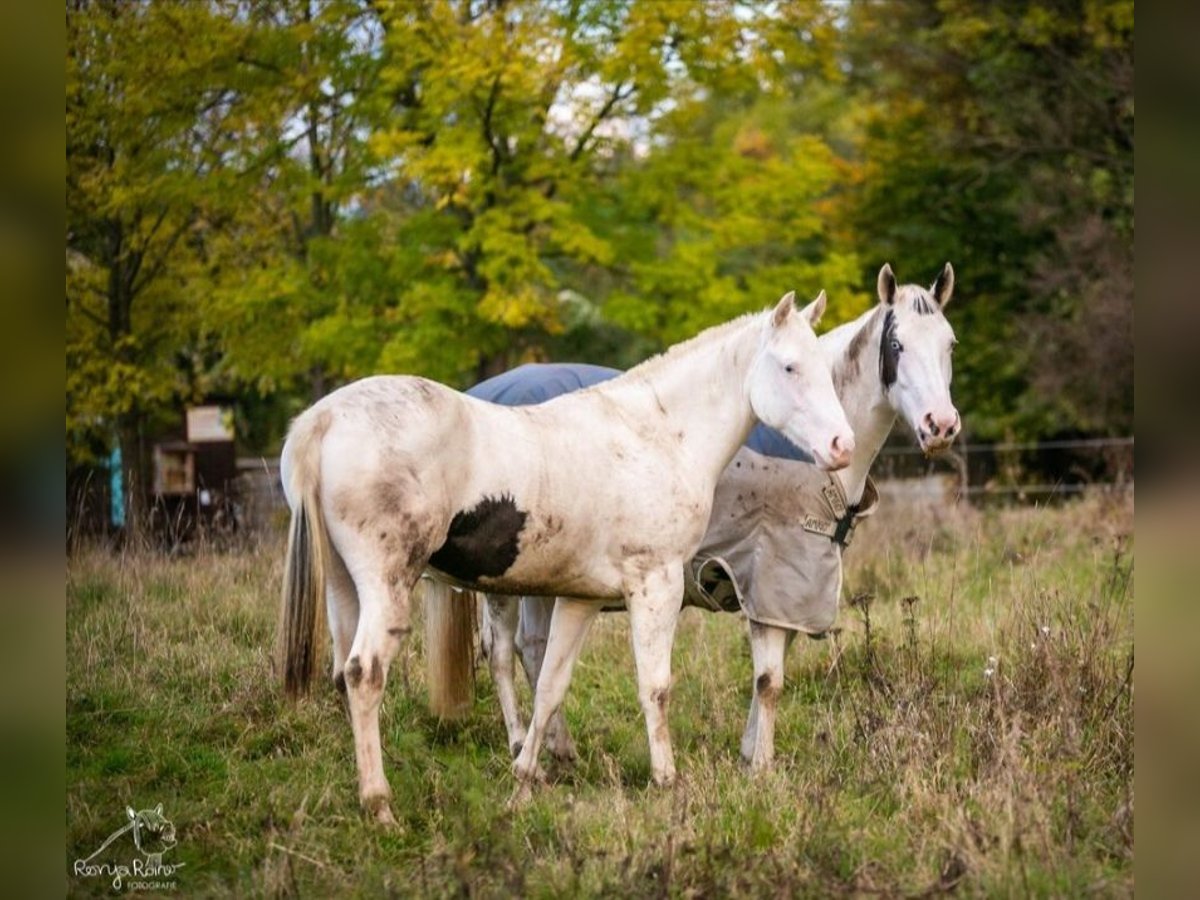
892	361
602	494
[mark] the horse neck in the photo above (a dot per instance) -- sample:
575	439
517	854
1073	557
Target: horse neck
699	389
854	360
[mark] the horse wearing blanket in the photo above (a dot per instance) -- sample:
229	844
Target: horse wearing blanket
779	524
601	494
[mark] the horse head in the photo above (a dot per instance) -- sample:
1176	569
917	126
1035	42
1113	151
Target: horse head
791	389
915	357
153	833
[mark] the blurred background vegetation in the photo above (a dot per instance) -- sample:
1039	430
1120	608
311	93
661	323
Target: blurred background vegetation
266	200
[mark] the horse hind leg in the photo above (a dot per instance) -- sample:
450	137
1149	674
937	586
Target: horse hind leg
383	623
500	617
568	627
531	639
767	648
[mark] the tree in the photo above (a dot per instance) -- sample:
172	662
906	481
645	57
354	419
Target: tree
144	129
1001	136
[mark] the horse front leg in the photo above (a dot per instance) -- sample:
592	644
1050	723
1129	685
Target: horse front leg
653	613
532	633
767	648
569	625
341	607
500	618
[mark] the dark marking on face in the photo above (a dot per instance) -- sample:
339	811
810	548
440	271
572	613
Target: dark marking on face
483	541
848	367
376	680
354	672
922	304
889	351
399	632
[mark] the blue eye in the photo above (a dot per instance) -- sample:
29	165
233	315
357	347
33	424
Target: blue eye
896	345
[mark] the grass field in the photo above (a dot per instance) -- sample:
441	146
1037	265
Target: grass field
977	739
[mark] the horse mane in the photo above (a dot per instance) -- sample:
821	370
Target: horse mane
684	348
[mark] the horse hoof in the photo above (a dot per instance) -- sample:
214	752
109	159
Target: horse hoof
380	810
567	754
664	780
521	796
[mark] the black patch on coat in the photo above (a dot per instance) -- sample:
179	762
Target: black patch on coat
483	542
889	358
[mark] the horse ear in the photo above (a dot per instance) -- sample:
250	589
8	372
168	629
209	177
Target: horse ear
158	809
783	308
887	285
129	812
815	310
944	286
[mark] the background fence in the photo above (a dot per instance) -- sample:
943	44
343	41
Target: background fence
1013	472
1010	471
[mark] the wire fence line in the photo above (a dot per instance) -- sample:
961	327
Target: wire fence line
1012	470
1010	447
1015	471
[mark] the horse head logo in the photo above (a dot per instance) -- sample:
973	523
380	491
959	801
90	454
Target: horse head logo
153	833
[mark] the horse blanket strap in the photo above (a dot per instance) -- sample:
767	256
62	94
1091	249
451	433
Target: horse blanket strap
839	527
711	585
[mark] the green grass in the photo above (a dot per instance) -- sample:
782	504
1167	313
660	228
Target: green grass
902	768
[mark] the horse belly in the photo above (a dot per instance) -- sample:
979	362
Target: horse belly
498	546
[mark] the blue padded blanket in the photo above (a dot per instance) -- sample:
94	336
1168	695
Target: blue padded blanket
538	382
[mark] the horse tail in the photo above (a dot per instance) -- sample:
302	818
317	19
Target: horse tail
300	620
449	649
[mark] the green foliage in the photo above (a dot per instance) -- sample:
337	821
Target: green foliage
303	192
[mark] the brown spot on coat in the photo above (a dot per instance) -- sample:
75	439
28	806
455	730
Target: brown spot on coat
376	680
388	500
354	672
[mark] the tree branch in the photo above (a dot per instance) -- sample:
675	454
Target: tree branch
613	99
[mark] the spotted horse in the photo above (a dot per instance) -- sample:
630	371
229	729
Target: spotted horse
596	496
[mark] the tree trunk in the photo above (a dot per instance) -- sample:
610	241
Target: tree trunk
134	474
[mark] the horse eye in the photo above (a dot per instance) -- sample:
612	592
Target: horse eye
790	369
896	345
